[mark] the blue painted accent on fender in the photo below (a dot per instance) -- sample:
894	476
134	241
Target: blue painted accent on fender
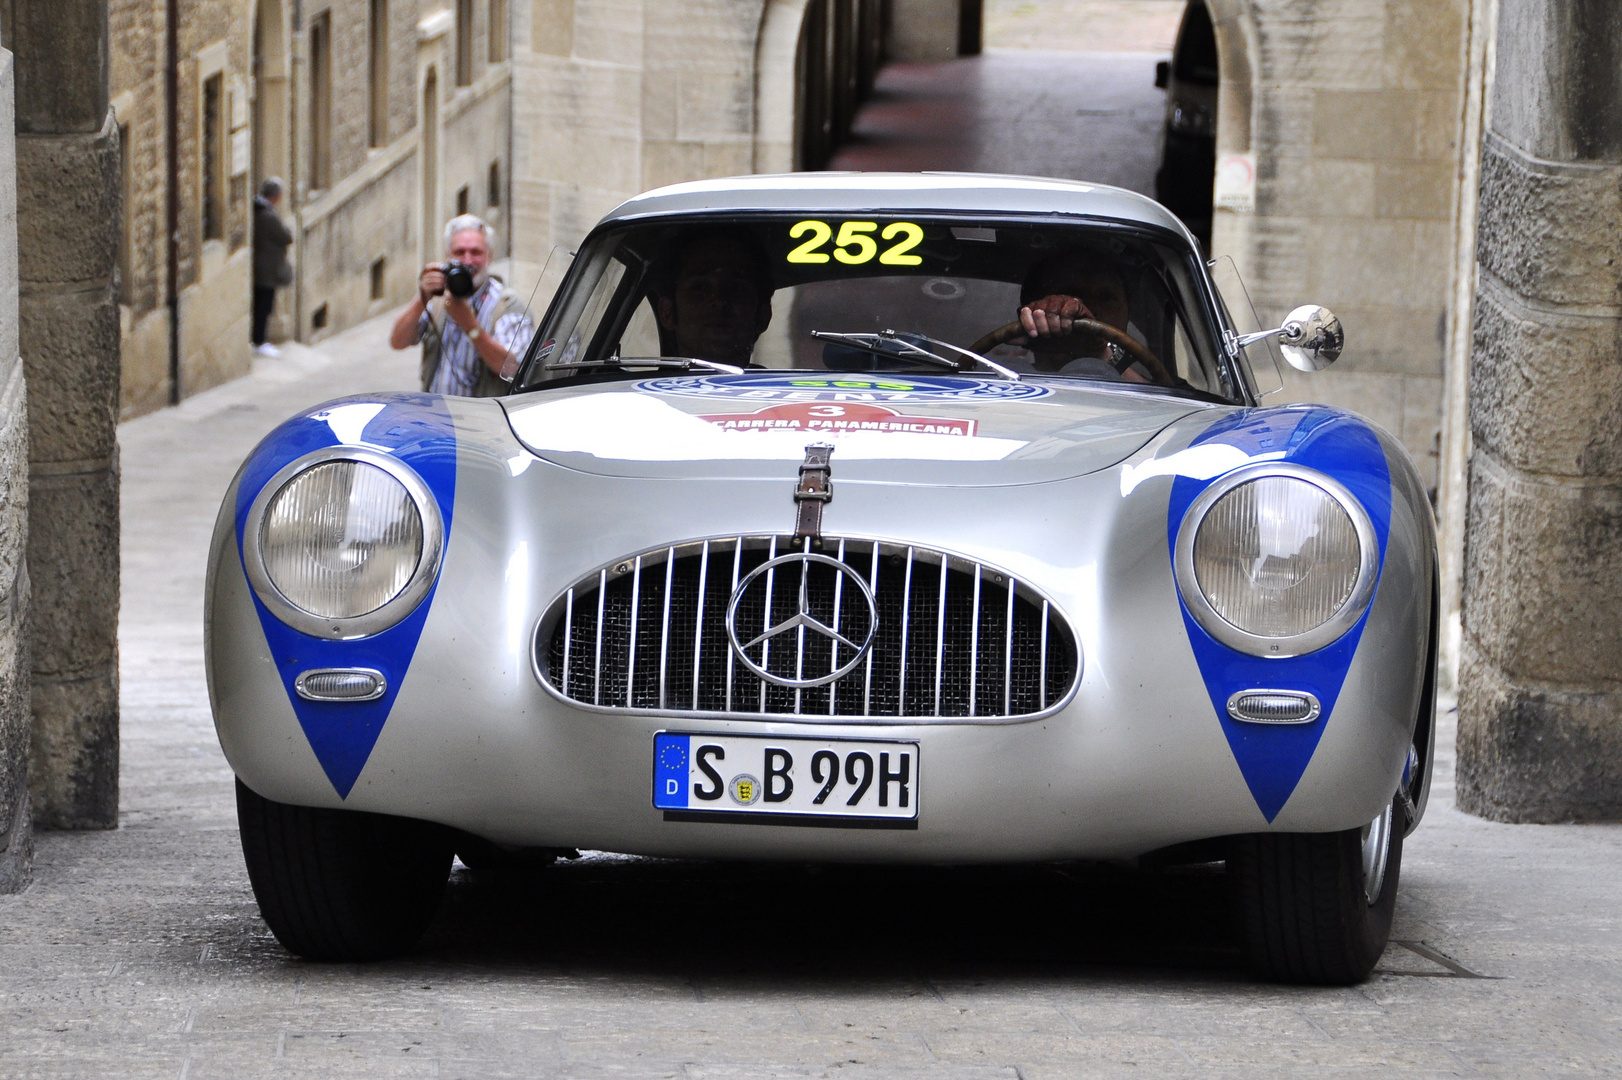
1273	758
417	429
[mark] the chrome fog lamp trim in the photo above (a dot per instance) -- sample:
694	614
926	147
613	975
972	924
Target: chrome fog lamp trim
1274	707
340	684
1327	632
379	619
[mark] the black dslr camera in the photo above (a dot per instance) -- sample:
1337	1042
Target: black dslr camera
459	279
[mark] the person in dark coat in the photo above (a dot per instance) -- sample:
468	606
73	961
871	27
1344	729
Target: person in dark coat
271	269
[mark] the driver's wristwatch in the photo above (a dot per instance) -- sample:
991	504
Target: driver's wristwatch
474	334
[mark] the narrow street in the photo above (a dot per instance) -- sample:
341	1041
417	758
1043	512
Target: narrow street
140	952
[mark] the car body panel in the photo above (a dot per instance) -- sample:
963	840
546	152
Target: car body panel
1138	760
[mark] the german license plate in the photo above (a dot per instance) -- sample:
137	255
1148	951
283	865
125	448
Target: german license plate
834	783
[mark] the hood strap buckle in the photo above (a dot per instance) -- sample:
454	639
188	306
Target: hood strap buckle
812	490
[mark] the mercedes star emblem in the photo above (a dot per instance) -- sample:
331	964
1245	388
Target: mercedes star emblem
802	621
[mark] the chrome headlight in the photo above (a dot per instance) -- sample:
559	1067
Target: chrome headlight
343	543
1276	560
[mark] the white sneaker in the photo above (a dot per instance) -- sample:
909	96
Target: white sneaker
267	349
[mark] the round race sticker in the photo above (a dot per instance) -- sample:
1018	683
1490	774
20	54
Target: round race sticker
843	387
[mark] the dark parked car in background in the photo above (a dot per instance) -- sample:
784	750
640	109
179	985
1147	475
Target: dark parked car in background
1183	183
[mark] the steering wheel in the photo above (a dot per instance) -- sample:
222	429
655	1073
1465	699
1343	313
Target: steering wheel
1135	350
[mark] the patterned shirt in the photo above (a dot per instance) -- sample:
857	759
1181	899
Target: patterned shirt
459	362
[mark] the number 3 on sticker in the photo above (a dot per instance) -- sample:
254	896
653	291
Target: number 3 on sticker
854	245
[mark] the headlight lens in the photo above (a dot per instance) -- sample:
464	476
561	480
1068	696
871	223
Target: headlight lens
1276	557
341	539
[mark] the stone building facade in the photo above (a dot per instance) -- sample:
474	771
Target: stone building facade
1348	111
384	118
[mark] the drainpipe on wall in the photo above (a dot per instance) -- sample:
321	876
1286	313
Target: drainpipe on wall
171	140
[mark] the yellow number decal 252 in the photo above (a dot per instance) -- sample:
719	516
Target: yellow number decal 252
852	234
807	252
912	235
855	245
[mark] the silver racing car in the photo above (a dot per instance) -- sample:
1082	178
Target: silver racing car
864	518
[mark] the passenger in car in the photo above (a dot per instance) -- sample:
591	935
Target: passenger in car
713	297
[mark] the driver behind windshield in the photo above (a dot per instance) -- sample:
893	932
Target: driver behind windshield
1060	295
714	297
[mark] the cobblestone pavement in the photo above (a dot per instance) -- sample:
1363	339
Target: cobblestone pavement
140	952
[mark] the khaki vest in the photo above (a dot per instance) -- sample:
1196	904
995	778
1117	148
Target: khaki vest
488	383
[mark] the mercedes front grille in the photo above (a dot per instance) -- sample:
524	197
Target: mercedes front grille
845	628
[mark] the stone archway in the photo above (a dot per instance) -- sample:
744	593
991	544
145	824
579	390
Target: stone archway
776	85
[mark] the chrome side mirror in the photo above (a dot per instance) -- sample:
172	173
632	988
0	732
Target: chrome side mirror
1311	338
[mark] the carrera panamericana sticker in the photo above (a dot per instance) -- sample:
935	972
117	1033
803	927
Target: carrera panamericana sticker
840	418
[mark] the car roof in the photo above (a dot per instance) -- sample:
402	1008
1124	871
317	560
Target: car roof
890	193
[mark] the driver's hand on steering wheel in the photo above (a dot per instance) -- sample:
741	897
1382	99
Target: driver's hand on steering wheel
1052	316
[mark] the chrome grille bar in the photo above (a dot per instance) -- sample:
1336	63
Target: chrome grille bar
867	680
583	661
839	587
940	635
1008	653
732	661
906	615
597	662
766	647
974	646
698	619
664	625
636	602
1042	679
568	636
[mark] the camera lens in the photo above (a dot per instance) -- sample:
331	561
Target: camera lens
458	279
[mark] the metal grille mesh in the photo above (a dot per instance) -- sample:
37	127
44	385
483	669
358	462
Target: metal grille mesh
650	633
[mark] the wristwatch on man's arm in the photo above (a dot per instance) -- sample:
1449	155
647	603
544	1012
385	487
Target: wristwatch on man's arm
473	334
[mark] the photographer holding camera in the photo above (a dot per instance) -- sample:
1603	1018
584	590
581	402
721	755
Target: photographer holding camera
476	327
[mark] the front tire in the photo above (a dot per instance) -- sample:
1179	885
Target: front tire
341	884
1316	908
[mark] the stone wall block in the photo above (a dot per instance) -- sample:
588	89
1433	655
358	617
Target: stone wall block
1550	232
1528	753
70	344
1545	390
1543	577
59	89
73	774
67	207
73	569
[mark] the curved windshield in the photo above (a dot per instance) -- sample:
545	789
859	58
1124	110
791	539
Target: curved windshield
1001	298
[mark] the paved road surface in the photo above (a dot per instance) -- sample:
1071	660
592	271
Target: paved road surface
1083	116
140	953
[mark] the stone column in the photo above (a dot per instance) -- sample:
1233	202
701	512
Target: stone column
67	218
1540	695
16	831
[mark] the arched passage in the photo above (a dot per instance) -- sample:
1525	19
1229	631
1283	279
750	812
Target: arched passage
815	60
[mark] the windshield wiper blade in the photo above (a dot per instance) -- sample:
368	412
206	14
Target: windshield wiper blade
872	343
685	363
974	357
